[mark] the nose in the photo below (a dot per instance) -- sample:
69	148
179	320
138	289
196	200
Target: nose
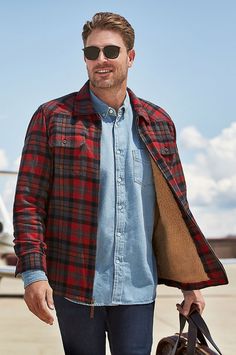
101	56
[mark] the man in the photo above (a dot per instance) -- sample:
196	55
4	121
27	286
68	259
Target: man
100	212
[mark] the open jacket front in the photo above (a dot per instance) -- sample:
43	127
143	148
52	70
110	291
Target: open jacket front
56	204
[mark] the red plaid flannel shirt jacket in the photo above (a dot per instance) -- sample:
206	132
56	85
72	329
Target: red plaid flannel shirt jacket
56	202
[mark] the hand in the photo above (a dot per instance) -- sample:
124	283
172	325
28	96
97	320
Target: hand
191	297
38	297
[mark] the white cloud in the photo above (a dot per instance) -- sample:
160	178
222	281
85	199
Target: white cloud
3	160
212	173
211	177
192	138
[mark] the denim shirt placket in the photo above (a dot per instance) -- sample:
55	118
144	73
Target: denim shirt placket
120	143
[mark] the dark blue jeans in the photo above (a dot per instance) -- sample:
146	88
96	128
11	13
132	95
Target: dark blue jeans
129	328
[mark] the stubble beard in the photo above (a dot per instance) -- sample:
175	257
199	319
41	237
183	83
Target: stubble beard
115	82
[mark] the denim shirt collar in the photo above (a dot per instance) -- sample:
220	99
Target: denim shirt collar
109	113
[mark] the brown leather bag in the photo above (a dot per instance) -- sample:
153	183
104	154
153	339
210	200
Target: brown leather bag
191	343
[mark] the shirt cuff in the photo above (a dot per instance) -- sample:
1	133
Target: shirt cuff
31	276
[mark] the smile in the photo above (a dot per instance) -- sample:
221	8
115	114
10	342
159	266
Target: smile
103	71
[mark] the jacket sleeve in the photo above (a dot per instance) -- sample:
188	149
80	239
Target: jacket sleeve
32	190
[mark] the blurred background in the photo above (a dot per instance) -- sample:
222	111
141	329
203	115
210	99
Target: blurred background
185	63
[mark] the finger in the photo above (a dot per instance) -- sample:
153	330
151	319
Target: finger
42	311
45	319
184	308
36	310
179	308
49	298
200	306
45	315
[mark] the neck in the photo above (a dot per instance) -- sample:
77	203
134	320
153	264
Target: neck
113	97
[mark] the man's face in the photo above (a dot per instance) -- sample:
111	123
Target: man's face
108	73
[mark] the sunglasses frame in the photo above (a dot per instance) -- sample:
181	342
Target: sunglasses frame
104	50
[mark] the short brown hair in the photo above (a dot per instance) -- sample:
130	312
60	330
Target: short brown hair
110	21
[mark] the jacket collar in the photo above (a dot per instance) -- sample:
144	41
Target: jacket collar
138	106
83	103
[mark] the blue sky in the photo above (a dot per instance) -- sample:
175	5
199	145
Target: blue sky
185	62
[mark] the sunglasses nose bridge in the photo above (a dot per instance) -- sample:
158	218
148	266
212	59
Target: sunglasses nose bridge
101	55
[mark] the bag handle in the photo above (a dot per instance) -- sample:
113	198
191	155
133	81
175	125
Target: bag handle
192	335
197	329
202	328
182	322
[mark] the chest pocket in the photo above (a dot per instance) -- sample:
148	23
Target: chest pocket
68	142
142	170
169	154
68	153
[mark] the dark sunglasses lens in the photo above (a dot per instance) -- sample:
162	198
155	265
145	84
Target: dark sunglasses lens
111	52
91	53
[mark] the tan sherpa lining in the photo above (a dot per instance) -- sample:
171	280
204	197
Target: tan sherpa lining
176	254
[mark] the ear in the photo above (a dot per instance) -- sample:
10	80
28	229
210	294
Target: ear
131	56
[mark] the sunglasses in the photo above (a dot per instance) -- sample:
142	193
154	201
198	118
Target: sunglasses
110	52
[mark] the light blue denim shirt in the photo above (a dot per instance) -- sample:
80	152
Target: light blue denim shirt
125	271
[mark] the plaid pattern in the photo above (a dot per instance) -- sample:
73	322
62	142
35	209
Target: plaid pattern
56	203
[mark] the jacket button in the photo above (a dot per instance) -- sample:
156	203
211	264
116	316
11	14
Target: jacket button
64	141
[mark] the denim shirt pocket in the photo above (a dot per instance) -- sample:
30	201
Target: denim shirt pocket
142	171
